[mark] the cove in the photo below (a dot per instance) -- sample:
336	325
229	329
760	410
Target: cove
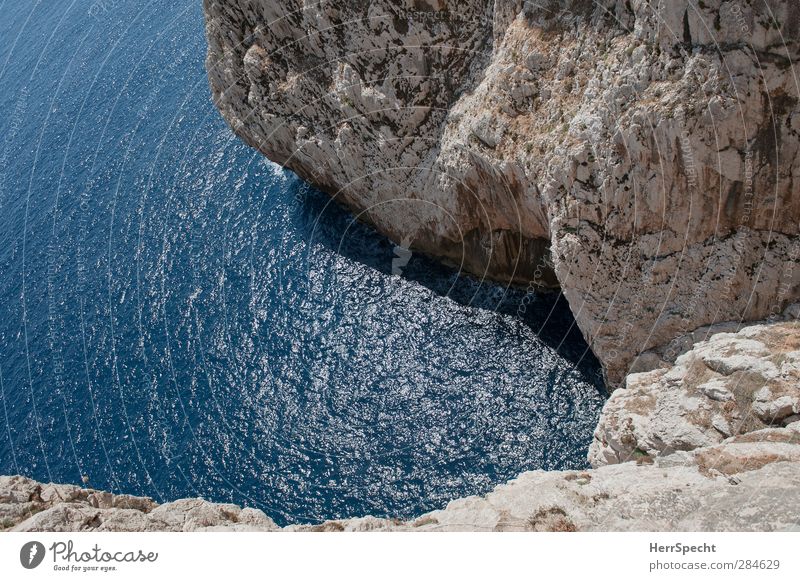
180	317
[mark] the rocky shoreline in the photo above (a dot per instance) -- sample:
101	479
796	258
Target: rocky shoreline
643	158
709	444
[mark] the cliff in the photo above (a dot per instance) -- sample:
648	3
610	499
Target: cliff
641	156
710	444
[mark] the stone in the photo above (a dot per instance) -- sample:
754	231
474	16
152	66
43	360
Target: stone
716	389
636	170
777	409
728	384
28	506
747	482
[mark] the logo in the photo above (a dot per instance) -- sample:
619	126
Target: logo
402	255
31	555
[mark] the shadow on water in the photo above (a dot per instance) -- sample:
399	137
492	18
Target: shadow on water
546	313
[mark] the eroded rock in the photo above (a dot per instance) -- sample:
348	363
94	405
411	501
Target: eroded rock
27	505
746	483
727	385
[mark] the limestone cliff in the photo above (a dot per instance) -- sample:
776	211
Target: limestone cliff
641	155
731	385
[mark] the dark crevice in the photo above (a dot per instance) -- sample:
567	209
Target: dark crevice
687	33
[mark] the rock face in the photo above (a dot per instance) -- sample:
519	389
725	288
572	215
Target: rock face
740	485
27	506
642	156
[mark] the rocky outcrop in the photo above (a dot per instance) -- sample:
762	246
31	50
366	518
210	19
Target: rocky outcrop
643	156
639	155
729	385
27	506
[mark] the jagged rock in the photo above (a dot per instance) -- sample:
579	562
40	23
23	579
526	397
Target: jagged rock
634	497
27	505
746	483
729	384
642	156
651	176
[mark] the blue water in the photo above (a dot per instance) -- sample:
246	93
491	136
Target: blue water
181	317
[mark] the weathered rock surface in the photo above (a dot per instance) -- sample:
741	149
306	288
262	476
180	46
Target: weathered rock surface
27	505
730	384
649	152
641	155
711	443
728	487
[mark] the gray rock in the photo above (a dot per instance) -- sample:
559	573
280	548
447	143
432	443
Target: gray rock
27	505
603	155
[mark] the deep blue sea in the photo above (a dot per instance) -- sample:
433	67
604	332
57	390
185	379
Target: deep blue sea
181	317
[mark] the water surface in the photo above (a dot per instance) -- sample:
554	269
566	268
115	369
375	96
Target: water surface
181	317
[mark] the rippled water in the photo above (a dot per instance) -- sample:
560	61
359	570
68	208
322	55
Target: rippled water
180	317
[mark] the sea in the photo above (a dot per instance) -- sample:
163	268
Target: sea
181	317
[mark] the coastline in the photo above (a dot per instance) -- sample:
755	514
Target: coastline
709	481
